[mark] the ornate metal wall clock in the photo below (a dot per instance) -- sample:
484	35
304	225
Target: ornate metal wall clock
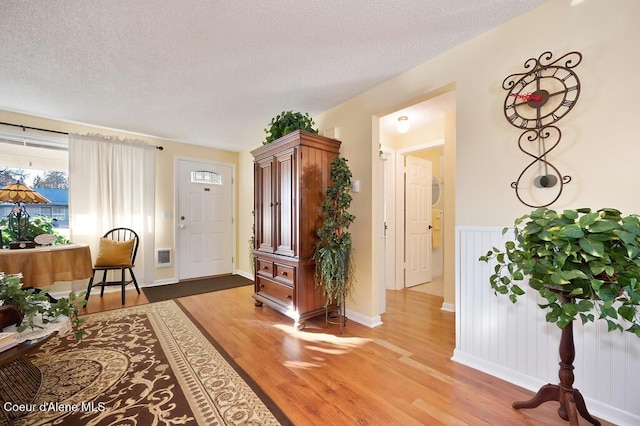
536	99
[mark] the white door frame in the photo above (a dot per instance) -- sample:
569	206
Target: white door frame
176	199
399	216
386	258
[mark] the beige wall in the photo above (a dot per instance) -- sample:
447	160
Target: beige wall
485	153
600	127
245	209
430	134
165	176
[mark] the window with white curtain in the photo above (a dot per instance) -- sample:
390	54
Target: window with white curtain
32	154
111	185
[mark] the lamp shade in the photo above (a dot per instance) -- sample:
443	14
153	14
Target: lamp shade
21	193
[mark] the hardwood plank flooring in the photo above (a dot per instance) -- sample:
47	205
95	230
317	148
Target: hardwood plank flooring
112	300
399	373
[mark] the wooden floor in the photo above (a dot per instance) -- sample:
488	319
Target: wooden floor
399	373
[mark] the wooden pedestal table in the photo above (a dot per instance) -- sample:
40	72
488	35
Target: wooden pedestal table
570	399
19	379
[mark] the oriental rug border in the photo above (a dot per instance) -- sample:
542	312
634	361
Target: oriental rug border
147	364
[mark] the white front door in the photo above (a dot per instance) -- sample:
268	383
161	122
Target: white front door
417	221
205	219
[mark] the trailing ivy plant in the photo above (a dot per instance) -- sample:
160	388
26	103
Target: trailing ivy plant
287	122
582	262
333	251
252	245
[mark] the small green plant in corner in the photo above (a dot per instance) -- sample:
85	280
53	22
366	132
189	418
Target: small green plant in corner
31	303
333	251
582	262
287	122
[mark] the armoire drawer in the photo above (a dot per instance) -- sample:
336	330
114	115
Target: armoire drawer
282	293
284	273
265	267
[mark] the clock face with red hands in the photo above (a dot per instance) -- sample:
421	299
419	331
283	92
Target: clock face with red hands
544	93
536	99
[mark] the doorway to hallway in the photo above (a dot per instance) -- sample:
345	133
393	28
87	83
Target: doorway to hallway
410	228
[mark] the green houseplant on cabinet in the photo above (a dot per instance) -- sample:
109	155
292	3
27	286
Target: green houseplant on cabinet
287	122
583	263
333	253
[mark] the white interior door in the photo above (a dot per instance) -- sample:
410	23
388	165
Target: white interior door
417	221
205	219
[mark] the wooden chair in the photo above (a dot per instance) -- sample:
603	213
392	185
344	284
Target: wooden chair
118	249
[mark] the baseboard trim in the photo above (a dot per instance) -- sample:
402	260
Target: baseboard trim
59	294
448	307
161	282
247	275
370	322
596	408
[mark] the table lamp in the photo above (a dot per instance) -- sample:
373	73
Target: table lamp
18	218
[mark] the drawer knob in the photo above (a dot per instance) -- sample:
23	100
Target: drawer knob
265	267
284	273
261	285
289	296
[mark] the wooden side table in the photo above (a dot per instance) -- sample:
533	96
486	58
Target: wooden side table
20	380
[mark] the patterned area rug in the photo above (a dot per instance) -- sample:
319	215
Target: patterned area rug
144	365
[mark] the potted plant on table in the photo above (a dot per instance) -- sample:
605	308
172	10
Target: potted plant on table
583	263
29	305
333	253
287	122
37	225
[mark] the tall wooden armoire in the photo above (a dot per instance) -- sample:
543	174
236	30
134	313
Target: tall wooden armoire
291	175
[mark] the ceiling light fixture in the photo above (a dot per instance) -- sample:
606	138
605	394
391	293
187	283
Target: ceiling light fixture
403	124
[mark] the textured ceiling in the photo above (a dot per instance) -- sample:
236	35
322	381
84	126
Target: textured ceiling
214	72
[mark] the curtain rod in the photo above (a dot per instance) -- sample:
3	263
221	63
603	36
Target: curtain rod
24	128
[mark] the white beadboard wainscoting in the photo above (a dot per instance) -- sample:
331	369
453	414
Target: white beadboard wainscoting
515	343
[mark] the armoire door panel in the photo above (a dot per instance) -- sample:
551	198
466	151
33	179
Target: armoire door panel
285	199
264	215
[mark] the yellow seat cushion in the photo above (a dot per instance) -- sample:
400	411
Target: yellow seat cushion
114	253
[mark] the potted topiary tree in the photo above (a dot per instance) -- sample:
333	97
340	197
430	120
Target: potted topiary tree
582	262
333	253
287	122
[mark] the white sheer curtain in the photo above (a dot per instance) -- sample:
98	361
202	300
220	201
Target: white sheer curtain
112	184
